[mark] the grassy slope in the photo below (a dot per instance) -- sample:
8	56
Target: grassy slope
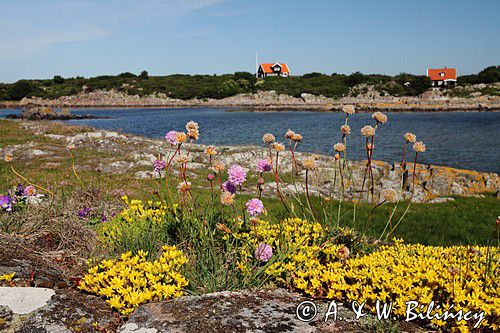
464	221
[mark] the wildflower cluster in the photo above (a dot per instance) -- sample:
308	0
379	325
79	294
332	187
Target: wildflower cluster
134	222
295	250
456	275
18	197
132	280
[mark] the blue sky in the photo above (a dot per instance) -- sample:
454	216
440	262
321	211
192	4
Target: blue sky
43	38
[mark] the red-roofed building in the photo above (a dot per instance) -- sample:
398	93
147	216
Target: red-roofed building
276	69
442	77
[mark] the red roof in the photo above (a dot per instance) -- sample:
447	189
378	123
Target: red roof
441	74
267	68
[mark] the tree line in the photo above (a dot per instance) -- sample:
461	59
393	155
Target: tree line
183	86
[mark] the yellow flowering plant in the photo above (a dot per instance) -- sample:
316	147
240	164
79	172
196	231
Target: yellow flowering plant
132	280
140	226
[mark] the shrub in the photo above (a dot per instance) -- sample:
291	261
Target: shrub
132	280
20	89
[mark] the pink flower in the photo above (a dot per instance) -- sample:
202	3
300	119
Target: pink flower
263	252
254	207
263	166
237	175
170	137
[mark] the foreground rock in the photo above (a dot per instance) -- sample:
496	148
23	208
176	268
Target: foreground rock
268	310
43	298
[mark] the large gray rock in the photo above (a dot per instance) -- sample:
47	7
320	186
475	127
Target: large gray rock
265	310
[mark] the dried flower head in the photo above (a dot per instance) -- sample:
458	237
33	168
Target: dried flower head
343	253
184	186
278	146
263	252
340	147
289	134
71	147
210	177
227	198
368	131
268	138
8	157
346	129
348	109
315	156
192	126
309	163
336	157
297	137
390	195
222	227
419	147
261	181
210	151
182	159
180	137
410	137
380	117
218	166
193	134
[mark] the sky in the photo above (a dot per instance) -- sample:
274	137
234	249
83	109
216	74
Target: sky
43	38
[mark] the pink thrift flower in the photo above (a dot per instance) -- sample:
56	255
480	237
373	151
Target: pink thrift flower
254	207
170	137
263	252
263	166
237	175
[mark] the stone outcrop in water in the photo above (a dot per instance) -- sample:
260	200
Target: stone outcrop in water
48	113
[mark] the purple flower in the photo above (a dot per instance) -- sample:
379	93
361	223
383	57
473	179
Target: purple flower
83	213
237	175
263	166
254	207
229	187
170	137
29	191
19	189
263	252
6	203
159	165
104	218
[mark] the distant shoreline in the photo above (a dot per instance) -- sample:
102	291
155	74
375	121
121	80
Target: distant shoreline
265	101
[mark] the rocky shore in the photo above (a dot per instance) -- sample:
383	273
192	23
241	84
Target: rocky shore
135	155
433	100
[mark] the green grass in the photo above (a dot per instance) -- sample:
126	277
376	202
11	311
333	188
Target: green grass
463	221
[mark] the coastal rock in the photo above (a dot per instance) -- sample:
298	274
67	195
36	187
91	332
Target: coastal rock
265	310
43	298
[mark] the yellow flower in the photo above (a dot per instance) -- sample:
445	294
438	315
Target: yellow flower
340	147
7	277
278	146
8	157
210	151
180	137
